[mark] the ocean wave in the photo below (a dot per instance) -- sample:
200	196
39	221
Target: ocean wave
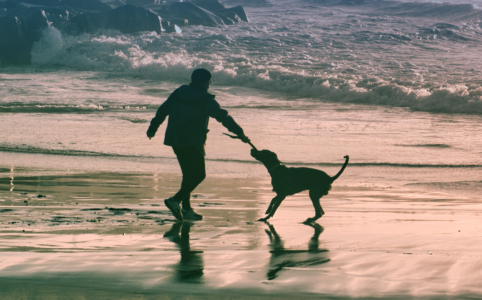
248	3
440	31
17	107
436	10
441	146
281	63
129	58
387	164
65	152
412	9
460	188
71	152
364	164
449	99
134	120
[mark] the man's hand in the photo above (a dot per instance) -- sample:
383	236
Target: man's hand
150	134
244	138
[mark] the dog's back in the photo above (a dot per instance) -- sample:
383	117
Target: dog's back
289	181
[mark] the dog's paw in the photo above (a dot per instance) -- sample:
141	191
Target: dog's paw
263	220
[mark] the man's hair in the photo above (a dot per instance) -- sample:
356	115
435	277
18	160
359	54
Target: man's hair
200	76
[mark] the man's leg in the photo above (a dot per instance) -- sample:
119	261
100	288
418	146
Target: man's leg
193	170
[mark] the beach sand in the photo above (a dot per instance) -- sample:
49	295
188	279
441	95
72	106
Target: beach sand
107	235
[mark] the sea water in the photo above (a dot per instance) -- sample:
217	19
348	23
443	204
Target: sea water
395	85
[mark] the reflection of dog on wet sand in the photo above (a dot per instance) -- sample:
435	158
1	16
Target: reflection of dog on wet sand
282	258
289	181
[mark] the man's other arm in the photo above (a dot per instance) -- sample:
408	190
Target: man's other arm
161	114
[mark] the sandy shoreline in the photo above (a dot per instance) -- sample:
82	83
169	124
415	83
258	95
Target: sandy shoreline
102	235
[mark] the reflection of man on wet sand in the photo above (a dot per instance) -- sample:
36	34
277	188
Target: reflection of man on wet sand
283	258
190	267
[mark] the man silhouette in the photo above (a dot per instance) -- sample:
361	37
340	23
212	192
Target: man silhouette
189	108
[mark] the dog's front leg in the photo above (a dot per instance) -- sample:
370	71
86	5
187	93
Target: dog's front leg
273	206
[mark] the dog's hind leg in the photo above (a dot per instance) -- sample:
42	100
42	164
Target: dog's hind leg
315	196
273	206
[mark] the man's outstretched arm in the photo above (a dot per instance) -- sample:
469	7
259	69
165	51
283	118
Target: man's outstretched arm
222	116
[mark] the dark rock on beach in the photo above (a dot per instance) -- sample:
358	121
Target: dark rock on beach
21	30
141	2
22	22
229	20
7	4
234	13
93	5
239	11
194	14
126	19
168	21
211	5
115	3
230	16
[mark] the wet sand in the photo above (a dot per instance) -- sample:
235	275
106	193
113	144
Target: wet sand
101	235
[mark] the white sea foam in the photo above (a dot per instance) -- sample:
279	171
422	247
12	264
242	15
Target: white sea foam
48	49
288	48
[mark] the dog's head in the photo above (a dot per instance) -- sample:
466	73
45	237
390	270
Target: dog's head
268	158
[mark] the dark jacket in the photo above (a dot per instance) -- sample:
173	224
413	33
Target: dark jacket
189	109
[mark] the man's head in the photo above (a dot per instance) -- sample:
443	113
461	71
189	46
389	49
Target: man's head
201	78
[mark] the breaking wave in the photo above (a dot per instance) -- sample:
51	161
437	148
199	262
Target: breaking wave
70	152
412	9
16	107
66	152
298	57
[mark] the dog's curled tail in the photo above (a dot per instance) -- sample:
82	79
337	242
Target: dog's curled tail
342	169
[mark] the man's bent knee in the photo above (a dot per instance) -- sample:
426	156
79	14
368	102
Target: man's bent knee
200	177
195	178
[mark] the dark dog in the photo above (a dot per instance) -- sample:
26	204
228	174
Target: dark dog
289	181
